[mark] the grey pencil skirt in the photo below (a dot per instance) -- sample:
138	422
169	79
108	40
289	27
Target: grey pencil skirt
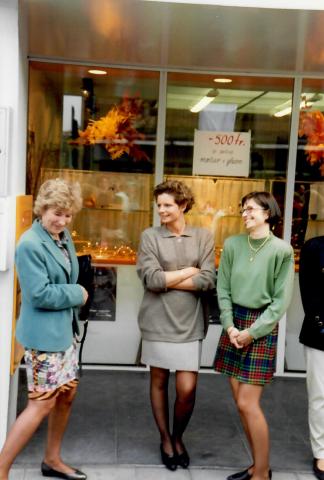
172	356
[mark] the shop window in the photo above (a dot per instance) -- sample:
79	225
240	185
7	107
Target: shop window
243	107
308	205
99	130
308	213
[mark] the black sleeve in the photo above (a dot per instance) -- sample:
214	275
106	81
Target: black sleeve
310	277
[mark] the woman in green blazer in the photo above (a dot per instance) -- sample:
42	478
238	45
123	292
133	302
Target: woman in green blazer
47	269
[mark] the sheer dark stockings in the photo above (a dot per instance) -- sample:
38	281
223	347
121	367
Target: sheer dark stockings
186	383
160	405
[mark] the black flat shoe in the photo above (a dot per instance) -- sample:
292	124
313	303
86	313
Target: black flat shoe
47	471
170	461
245	475
183	459
317	472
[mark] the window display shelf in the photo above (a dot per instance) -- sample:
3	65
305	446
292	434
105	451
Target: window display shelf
122	255
217	204
117	207
114	209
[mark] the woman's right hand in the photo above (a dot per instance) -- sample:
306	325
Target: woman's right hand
233	334
85	295
178	278
192	271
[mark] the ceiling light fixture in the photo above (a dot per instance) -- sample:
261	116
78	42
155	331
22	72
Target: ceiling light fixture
305	104
97	72
223	80
283	112
206	100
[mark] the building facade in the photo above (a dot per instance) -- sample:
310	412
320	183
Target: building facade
174	72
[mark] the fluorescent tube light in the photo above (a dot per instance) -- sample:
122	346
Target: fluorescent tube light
304	104
283	112
206	100
201	104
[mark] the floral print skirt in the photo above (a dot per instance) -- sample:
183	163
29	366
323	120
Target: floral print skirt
50	373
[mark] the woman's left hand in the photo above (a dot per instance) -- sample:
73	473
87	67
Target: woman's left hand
244	338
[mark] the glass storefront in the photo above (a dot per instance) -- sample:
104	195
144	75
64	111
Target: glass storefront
245	105
308	205
101	130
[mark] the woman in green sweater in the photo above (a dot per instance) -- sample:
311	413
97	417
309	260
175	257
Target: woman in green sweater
255	281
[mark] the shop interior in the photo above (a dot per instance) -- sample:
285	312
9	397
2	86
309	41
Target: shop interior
99	126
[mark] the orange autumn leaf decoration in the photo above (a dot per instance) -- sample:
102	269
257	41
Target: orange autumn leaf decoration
311	125
116	130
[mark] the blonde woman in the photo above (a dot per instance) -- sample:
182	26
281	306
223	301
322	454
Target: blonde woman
47	268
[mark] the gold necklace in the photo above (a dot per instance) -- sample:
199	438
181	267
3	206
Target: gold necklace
254	251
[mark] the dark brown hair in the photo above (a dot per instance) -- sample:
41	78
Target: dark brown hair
179	191
267	201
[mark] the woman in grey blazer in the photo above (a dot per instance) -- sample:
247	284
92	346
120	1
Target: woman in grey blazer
47	269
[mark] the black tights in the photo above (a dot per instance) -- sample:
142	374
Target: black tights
186	383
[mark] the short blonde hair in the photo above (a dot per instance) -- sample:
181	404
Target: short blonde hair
57	193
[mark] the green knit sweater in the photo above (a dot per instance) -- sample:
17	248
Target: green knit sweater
267	280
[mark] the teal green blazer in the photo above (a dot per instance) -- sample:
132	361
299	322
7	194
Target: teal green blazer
49	292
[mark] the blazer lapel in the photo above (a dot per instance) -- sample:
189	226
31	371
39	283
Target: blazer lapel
49	244
74	260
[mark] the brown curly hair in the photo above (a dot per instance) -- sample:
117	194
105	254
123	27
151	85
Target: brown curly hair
178	190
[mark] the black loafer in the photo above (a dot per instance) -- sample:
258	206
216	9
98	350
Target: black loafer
170	461
183	459
47	471
317	472
243	475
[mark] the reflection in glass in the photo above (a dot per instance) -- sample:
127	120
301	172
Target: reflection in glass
308	211
308	203
101	132
246	104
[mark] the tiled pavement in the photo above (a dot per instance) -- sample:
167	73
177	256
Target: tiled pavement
119	472
112	435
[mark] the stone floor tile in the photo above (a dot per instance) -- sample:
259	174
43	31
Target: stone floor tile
17	474
32	474
208	474
160	473
283	476
305	476
112	472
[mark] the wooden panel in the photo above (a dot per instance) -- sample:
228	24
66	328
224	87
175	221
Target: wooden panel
24	208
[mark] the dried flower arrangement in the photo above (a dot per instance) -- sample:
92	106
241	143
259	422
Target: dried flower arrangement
311	125
117	130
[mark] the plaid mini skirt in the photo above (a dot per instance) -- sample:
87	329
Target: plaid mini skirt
50	373
254	364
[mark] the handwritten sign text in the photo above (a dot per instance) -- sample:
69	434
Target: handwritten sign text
222	153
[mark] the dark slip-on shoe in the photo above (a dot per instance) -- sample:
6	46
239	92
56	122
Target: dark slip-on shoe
47	471
317	472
